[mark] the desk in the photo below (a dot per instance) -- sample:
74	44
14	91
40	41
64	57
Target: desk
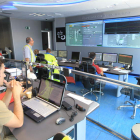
121	76
76	65
47	128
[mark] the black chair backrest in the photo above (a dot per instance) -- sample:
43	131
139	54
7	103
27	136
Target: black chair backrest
88	82
40	58
88	68
42	72
40	55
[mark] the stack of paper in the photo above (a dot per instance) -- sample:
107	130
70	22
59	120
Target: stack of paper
14	71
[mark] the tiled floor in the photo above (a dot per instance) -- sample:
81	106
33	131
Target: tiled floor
107	113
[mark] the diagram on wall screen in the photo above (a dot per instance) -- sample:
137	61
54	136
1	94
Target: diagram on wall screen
84	33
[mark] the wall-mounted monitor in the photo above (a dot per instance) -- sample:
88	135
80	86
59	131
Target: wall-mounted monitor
110	57
75	56
125	59
121	32
87	33
62	53
54	53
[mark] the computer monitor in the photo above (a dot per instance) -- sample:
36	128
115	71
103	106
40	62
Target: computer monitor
54	53
99	57
62	54
125	59
75	56
110	57
42	51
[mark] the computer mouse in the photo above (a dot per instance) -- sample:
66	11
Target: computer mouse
60	121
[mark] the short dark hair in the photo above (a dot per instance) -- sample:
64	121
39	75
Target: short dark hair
48	50
92	55
28	39
1	62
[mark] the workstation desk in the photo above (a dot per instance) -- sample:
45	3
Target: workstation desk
46	129
122	76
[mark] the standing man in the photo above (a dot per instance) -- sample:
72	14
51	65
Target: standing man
8	118
98	69
28	54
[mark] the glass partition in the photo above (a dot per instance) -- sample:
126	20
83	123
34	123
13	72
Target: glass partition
111	94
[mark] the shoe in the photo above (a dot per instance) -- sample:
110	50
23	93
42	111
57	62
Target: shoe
61	136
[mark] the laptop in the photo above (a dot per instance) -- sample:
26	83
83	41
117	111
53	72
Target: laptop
48	101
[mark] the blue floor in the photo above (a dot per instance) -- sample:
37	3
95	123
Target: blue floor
107	113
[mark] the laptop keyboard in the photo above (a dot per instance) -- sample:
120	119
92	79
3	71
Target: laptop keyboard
39	106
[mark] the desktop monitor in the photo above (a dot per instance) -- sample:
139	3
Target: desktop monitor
42	51
62	54
110	57
75	56
125	59
99	57
54	53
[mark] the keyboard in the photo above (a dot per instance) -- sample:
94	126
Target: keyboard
70	62
39	106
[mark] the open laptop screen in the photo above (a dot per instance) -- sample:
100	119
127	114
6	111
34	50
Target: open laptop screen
51	91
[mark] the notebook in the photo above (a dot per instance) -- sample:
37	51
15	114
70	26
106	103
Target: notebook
47	102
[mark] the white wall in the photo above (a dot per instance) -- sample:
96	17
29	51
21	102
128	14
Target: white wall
19	34
58	22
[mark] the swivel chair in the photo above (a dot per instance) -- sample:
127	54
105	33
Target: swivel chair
40	59
61	136
89	83
134	96
42	71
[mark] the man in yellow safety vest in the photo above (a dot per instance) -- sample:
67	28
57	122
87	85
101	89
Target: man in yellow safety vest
28	54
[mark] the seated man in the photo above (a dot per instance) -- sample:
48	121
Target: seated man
51	59
36	51
8	118
98	69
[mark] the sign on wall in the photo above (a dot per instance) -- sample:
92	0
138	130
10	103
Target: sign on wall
60	34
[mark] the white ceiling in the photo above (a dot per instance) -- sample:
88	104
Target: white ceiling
56	11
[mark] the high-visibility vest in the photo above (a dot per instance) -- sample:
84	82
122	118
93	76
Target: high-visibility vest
32	54
51	61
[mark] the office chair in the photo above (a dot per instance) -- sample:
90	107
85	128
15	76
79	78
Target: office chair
134	96
90	83
61	136
60	77
41	70
69	78
40	59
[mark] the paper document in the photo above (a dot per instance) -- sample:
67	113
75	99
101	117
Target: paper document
117	69
14	71
2	88
125	71
80	98
105	69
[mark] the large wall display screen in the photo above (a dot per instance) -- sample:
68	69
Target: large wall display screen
84	33
122	32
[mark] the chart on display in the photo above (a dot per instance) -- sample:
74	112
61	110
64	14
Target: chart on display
122	32
84	33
